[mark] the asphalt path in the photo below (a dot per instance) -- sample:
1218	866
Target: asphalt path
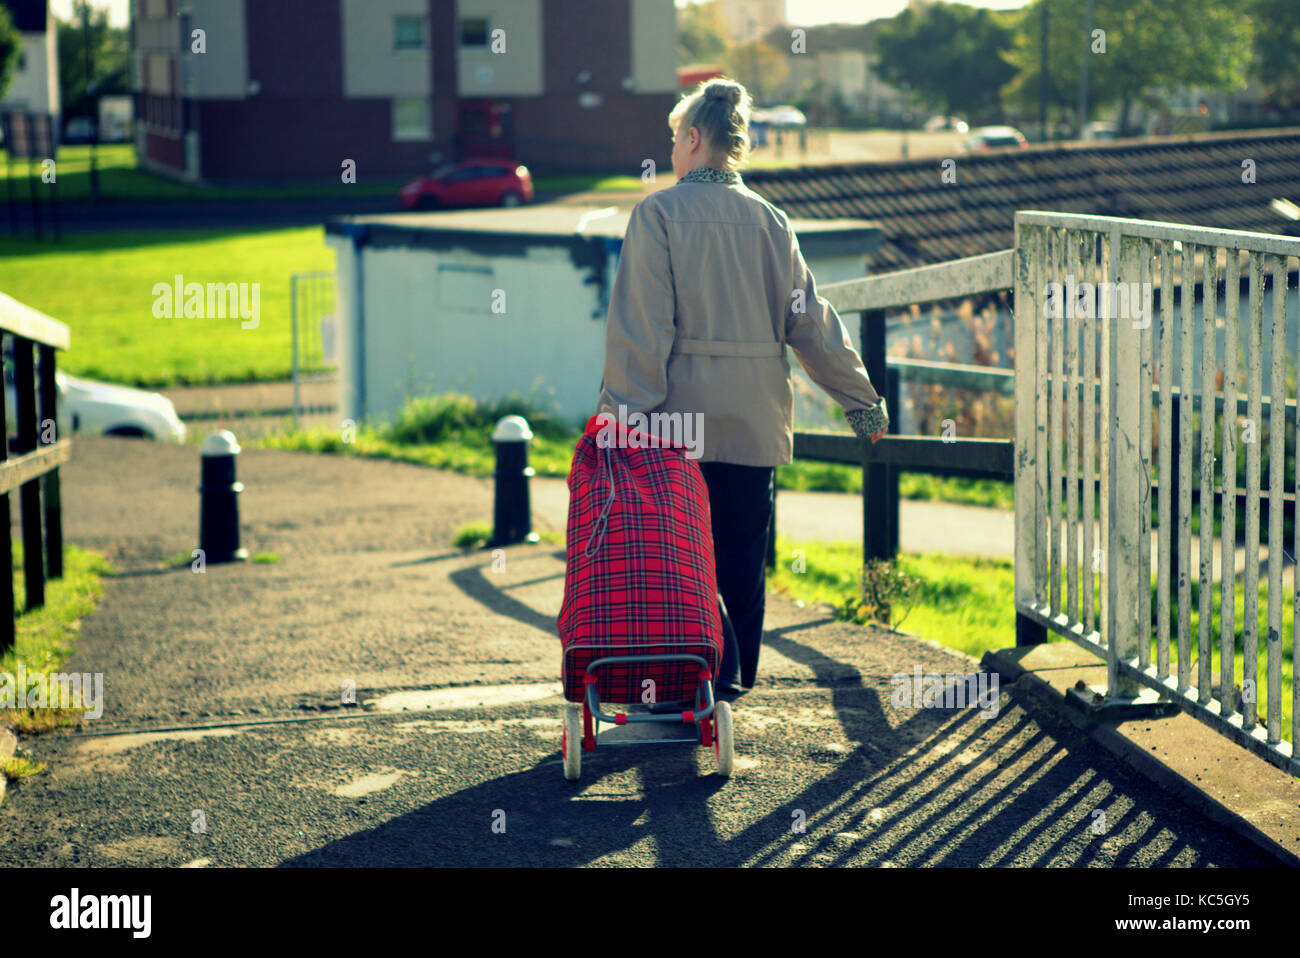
226	738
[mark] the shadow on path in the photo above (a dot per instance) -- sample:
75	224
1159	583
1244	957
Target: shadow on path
923	786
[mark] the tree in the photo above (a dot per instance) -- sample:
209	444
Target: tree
109	57
760	66
701	35
1150	45
1277	49
11	44
949	54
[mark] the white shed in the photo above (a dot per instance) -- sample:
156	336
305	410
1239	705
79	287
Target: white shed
499	301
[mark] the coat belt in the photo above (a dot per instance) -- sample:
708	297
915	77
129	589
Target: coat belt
713	347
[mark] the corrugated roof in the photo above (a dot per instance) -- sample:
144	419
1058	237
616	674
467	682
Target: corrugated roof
1194	180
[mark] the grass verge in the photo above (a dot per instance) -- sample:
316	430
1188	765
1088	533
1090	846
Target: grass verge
45	636
964	604
120	180
452	431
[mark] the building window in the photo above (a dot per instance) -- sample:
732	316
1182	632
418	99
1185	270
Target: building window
22	61
412	118
474	32
408	33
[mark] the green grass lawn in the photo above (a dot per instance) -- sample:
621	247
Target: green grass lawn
121	180
101	285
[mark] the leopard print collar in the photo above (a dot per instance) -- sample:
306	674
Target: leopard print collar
710	174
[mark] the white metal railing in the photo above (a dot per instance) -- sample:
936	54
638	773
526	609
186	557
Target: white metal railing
1059	388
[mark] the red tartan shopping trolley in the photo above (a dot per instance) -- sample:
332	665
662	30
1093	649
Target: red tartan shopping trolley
640	619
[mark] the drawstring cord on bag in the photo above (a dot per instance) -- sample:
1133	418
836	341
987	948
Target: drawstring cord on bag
598	530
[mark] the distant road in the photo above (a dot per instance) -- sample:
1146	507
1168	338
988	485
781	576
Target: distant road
840	147
224	214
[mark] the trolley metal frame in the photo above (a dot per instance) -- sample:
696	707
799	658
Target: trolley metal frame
593	716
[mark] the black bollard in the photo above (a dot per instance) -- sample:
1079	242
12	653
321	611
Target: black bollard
512	515
219	500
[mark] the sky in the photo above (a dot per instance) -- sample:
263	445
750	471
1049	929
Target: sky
813	12
804	12
119	11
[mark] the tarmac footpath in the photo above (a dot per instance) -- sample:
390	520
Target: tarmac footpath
375	697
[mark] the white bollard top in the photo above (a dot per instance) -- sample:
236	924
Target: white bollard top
221	443
512	429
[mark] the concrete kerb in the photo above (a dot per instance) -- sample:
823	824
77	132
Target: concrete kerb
1213	775
8	744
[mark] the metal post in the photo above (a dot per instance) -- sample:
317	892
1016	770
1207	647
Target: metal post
1083	72
876	543
1042	76
892	472
1169	485
293	313
219	500
1123	625
512	518
1025	325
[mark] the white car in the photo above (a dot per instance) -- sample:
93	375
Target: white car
939	124
1100	130
993	138
779	116
106	409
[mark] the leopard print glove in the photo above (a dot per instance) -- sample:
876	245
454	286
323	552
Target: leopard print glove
867	422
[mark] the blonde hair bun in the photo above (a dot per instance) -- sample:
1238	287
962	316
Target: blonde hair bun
730	92
724	126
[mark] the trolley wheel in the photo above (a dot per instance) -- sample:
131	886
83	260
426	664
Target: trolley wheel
724	741
571	742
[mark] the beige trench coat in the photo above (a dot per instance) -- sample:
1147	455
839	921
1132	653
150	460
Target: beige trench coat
700	312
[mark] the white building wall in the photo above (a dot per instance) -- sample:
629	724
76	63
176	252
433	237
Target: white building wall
371	67
36	88
222	72
430	328
517	71
654	30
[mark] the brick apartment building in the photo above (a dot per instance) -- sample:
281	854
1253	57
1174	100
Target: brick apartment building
289	89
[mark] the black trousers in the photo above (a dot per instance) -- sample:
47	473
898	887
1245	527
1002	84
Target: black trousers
740	503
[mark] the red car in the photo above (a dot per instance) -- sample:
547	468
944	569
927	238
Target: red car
482	182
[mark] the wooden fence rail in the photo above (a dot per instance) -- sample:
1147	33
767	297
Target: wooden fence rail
31	340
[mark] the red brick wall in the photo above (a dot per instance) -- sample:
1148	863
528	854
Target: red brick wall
553	134
295	47
165	150
308	139
300	126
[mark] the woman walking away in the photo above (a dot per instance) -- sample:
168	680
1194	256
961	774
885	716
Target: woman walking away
711	287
